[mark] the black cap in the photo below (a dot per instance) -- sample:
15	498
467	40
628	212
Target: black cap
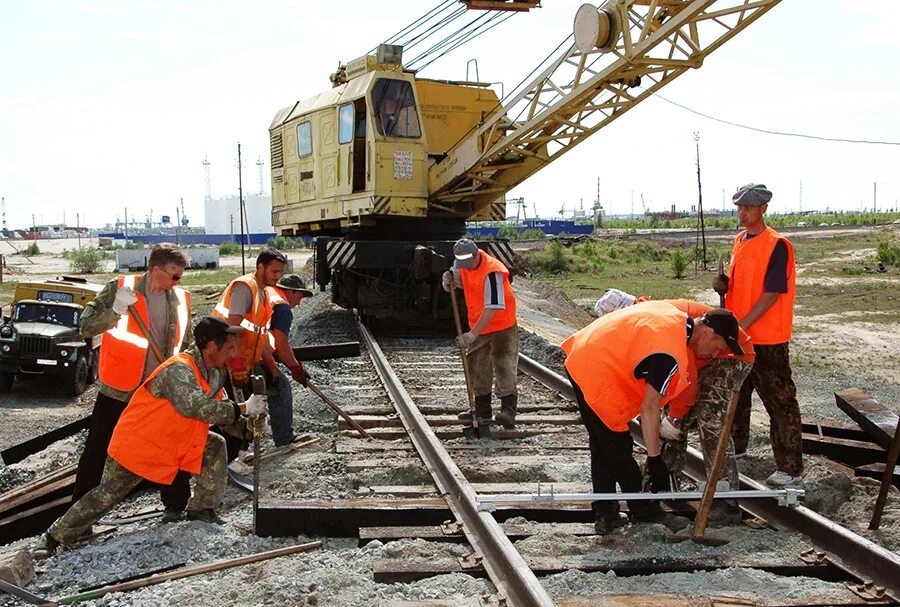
726	326
211	327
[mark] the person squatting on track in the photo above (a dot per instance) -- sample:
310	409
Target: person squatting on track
164	430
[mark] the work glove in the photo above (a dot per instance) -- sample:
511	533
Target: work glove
447	280
668	431
299	374
256	405
124	298
658	473
466	340
720	284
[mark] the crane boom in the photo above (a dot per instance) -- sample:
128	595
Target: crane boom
584	89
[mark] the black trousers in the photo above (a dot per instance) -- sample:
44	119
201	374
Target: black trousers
612	461
103	421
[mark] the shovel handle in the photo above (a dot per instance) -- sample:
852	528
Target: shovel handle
462	353
712	478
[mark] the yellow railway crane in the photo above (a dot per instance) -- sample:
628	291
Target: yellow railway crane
386	167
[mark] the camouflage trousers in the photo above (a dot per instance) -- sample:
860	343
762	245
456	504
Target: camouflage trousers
494	356
771	378
716	383
117	482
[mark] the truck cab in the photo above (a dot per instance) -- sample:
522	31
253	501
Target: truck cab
40	336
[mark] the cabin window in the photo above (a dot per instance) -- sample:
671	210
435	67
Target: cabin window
395	109
304	139
345	123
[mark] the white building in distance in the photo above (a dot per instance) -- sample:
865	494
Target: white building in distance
222	215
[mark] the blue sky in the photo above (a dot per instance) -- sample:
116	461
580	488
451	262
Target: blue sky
108	104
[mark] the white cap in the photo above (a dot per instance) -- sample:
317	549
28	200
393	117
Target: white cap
613	300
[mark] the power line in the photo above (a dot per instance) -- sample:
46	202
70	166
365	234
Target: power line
772	132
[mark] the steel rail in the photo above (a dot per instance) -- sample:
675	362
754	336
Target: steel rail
856	555
504	565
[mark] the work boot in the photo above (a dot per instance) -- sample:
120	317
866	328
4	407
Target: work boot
172	515
605	524
724	513
507	415
657	515
207	515
482	408
46	546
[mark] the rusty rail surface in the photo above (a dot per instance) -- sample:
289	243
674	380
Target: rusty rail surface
505	566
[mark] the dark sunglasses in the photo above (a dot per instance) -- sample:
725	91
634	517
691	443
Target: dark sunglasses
175	277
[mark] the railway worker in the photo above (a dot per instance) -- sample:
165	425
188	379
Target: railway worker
760	290
245	304
631	363
492	341
126	358
164	430
286	294
704	404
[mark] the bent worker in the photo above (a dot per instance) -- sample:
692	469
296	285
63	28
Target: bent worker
164	430
285	295
492	341
704	404
126	358
245	304
628	363
760	290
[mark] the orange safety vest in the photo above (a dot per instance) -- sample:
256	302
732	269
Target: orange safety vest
276	297
749	262
601	358
473	287
152	439
123	348
256	321
679	406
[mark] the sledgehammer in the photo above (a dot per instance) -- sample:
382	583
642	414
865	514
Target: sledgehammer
483	431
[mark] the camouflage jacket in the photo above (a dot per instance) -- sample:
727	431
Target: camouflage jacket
98	317
177	384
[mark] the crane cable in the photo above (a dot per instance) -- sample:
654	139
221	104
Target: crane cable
415	24
447	40
471	36
772	132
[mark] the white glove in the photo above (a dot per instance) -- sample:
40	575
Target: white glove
465	340
124	298
256	405
668	431
447	280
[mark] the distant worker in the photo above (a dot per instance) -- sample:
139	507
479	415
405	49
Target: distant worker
287	294
492	341
703	404
631	363
165	430
245	303
760	290
126	358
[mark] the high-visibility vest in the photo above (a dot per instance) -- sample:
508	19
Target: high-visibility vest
152	439
255	322
275	297
123	348
602	357
473	287
746	284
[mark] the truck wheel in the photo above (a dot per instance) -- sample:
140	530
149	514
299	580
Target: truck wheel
6	382
78	379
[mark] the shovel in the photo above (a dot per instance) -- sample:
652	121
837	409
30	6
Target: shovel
697	533
476	430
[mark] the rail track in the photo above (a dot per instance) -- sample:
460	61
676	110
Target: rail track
407	394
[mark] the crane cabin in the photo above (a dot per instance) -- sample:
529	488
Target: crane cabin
355	159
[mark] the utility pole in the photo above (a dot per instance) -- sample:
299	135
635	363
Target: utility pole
231	225
177	222
632	205
241	208
78	227
33	228
875	197
701	226
126	226
801	197
206	165
3	209
259	166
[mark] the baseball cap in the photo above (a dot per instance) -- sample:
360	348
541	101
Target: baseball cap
752	195
292	282
211	327
466	253
726	326
612	300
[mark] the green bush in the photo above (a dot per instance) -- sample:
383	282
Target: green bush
508	232
283	243
85	260
888	253
229	248
32	249
679	263
532	234
552	261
